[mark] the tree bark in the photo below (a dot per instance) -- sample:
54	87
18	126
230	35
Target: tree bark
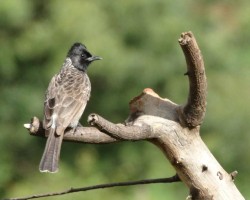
171	127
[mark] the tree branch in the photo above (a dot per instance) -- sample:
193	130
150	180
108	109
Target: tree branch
172	179
82	134
193	113
106	132
121	131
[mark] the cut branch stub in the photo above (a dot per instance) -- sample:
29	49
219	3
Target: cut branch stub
150	103
193	113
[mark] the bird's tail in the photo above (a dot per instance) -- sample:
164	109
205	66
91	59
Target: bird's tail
51	154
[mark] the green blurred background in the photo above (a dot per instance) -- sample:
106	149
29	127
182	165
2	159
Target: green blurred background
138	43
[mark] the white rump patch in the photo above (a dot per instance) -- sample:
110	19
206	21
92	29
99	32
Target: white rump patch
54	117
28	126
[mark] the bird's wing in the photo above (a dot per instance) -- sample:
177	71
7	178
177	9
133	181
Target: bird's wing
66	99
74	100
49	103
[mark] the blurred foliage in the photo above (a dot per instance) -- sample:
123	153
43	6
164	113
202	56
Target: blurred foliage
138	41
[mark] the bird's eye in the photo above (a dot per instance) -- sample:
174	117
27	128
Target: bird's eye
83	55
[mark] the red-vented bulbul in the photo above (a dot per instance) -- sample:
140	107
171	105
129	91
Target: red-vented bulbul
65	101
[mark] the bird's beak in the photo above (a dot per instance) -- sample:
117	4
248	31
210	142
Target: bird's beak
93	58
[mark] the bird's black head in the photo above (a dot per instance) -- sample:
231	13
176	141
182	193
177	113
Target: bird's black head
81	57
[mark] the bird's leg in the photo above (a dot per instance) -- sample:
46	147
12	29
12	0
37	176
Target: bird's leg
73	128
79	125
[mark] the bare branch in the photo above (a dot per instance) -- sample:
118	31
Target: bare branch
106	132
120	131
82	134
193	112
172	179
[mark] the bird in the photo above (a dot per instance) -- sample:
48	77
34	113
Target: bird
65	100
